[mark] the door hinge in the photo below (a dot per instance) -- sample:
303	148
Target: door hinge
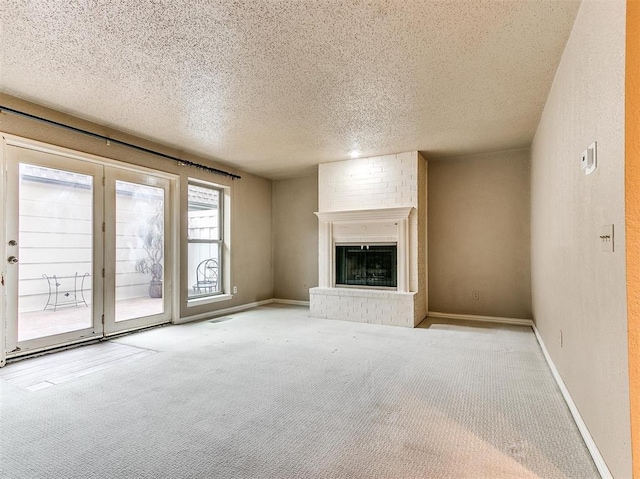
104	181
103	319
103	272
103	227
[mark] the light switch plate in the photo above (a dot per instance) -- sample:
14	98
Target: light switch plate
606	238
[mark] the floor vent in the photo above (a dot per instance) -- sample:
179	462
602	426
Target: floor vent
221	320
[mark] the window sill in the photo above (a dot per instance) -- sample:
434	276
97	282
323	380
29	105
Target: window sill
208	300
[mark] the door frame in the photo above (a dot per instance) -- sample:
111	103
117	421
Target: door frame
96	171
172	233
112	175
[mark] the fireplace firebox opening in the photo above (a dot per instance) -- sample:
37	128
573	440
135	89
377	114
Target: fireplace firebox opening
367	265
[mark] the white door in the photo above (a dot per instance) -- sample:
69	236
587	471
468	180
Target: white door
87	250
137	286
53	249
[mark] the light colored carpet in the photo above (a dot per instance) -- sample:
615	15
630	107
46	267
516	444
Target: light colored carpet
46	371
272	393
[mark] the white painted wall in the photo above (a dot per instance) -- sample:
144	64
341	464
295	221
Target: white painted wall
379	182
389	181
576	288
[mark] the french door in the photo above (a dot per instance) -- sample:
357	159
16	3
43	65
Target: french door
137	291
87	249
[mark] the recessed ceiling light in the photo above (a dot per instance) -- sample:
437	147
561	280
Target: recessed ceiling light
354	153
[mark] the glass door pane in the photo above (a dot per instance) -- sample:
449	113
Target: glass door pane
55	251
138	272
140	250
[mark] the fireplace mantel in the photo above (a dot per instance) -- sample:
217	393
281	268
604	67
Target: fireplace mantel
378	201
373	225
365	215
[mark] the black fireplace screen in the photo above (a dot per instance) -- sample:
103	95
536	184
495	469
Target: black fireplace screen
366	265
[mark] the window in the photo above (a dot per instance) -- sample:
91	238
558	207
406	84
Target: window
205	240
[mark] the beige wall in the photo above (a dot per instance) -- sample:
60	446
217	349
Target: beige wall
478	237
577	288
251	239
251	252
295	237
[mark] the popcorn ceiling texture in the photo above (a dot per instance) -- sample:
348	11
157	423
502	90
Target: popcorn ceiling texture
275	87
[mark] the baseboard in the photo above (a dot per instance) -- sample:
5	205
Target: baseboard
222	312
486	319
236	309
582	427
291	301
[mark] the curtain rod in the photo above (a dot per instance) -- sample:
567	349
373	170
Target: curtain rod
180	162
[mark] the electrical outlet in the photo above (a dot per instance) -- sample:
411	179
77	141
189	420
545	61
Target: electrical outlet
235	289
304	286
475	295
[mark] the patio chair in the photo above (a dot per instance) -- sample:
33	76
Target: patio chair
206	277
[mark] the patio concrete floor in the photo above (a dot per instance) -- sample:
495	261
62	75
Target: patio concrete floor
37	324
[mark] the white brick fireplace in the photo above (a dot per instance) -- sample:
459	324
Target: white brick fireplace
373	201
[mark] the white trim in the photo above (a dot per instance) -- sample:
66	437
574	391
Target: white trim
112	175
107	166
291	301
21	142
365	215
174	192
599	461
486	319
224	242
403	270
398	224
222	312
3	272
208	300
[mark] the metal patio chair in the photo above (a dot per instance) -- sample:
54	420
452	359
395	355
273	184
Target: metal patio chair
207	276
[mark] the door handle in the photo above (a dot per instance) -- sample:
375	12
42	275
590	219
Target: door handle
12	260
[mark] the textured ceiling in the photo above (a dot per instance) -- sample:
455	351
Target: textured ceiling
276	86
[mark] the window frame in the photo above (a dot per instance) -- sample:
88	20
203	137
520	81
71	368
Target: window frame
221	294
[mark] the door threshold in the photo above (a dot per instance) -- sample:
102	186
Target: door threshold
19	355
